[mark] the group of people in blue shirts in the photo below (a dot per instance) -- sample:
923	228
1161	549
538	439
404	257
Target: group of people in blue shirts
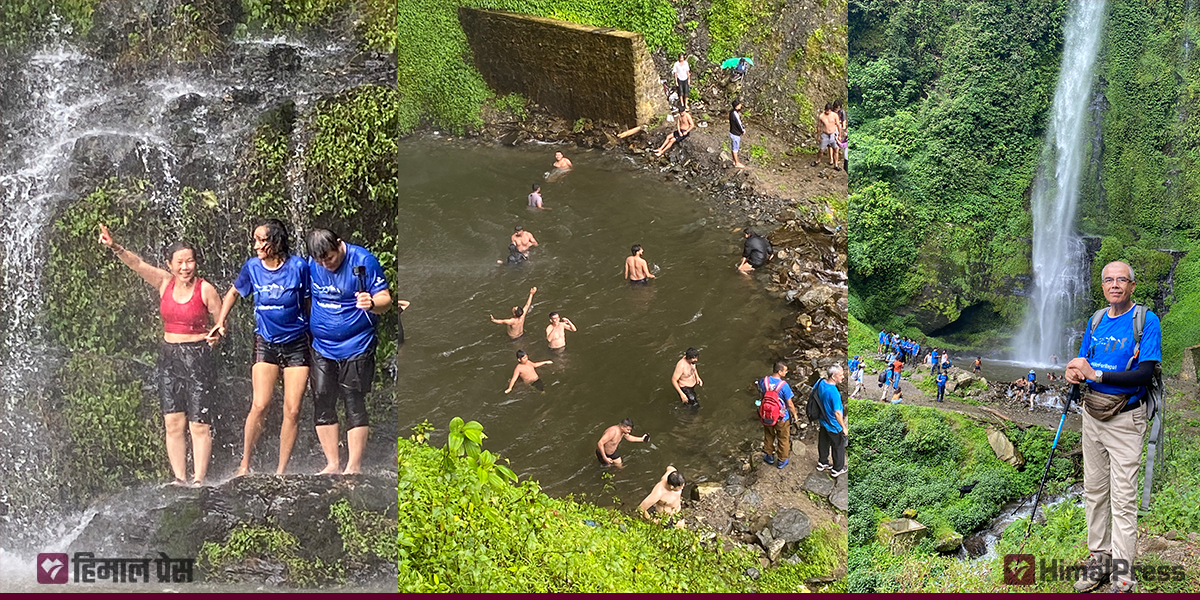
315	323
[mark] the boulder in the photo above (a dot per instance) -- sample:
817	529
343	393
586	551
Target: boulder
819	483
1004	449
840	500
949	541
704	489
790	525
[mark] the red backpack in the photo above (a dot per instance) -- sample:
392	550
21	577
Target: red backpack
770	410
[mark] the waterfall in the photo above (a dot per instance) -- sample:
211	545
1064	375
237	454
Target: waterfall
1060	276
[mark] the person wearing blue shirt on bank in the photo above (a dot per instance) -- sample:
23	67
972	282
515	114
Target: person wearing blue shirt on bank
882	341
278	280
1114	422
933	358
941	383
349	293
831	439
777	443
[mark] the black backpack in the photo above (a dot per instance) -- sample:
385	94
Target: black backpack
813	409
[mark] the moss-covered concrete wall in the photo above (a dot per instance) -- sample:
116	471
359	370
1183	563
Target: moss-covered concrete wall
575	71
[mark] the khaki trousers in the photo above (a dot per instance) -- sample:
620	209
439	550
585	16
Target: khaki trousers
781	431
1112	454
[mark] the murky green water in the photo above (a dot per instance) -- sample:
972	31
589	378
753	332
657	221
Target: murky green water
458	207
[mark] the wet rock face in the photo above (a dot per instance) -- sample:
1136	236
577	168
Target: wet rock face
178	521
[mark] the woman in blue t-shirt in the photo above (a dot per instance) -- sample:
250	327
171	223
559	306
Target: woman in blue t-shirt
279	282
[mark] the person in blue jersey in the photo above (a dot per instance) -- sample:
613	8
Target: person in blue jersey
882	341
278	280
831	439
350	292
941	385
856	375
935	361
1117	369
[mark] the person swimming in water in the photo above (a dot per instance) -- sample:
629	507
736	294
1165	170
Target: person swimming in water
686	378
523	240
561	162
636	270
516	324
606	448
526	370
666	497
556	331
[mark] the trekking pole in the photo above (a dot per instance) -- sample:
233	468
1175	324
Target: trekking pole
1038	497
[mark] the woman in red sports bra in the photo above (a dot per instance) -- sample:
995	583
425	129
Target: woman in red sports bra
185	366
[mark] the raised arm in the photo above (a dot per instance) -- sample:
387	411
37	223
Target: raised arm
529	301
542	363
151	274
569	325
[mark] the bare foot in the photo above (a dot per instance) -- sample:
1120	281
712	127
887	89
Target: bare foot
739	165
179	483
352	471
329	470
242	471
197	483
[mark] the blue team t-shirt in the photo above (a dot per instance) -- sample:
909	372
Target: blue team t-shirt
278	314
941	380
340	329
785	394
831	402
1110	346
882	337
853	365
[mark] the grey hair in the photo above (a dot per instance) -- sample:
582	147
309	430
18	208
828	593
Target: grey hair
833	370
1119	262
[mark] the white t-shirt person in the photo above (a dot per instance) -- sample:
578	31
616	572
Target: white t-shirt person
681	69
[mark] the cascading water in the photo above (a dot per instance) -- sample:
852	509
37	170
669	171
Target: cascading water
1059	273
71	119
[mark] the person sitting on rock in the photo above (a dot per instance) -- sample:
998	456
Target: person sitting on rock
683	128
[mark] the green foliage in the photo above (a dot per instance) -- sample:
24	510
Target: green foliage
513	103
916	458
459	536
439	83
116	430
267	543
825	49
365	535
729	22
759	154
31	22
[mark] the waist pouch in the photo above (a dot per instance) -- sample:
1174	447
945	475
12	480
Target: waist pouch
1103	406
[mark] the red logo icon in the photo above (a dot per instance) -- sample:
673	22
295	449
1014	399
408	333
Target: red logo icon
52	568
1018	569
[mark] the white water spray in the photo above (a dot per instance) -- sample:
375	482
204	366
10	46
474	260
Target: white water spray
1059	274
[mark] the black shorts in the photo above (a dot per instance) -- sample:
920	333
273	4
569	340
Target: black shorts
684	89
680	137
614	456
185	380
350	378
642	281
537	384
690	392
287	354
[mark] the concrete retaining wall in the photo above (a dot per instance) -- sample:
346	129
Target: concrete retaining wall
574	71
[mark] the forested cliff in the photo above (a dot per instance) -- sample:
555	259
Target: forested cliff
949	104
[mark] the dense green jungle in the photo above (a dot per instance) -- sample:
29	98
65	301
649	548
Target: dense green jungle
309	155
948	109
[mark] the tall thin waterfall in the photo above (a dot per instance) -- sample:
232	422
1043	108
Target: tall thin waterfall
1060	276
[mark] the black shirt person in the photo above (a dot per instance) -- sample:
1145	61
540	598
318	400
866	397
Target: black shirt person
756	251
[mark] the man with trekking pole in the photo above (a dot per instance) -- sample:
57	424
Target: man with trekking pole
1118	360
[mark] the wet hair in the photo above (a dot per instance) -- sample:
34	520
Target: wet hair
749	232
553	314
520	354
181	245
692	353
634	249
559	152
277	236
828	107
321	242
518	311
675	479
536	187
517	228
780	366
837	104
627	422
